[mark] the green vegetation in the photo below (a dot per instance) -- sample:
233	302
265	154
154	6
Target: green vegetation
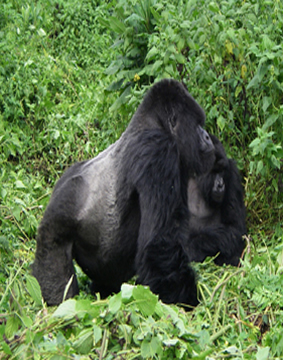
72	74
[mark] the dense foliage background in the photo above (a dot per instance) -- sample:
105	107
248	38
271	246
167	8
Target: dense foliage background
72	73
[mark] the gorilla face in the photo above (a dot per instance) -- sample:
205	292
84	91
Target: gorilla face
217	212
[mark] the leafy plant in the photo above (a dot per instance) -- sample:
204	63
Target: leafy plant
63	65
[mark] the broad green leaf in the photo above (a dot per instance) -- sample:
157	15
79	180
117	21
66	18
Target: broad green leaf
180	58
270	121
262	353
6	348
156	66
267	42
26	321
115	303
213	7
151	348
66	310
20	185
103	21
254	82
112	69
181	44
254	143
12	326
259	167
171	342
127	291
152	53
84	342
266	103
122	99
203	355
116	25
221	122
34	289
233	350
155	14
41	32
97	333
145	300
276	161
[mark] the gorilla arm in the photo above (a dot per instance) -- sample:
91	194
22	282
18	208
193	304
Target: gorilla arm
161	261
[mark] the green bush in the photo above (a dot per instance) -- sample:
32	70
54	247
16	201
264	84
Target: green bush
72	73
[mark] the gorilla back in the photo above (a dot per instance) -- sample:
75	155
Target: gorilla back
125	211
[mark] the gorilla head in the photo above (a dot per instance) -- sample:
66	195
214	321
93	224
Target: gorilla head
217	212
125	211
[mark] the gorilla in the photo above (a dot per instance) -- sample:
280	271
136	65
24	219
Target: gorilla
125	212
217	212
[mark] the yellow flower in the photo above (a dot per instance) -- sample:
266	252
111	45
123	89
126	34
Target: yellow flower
136	78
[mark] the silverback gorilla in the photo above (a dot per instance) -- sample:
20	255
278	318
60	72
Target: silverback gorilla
125	211
217	212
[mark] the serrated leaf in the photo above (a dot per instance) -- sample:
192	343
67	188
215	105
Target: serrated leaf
66	310
12	326
145	300
34	289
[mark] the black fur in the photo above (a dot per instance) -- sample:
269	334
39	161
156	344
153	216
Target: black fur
217	221
125	211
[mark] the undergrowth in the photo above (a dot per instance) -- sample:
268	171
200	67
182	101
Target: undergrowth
72	73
